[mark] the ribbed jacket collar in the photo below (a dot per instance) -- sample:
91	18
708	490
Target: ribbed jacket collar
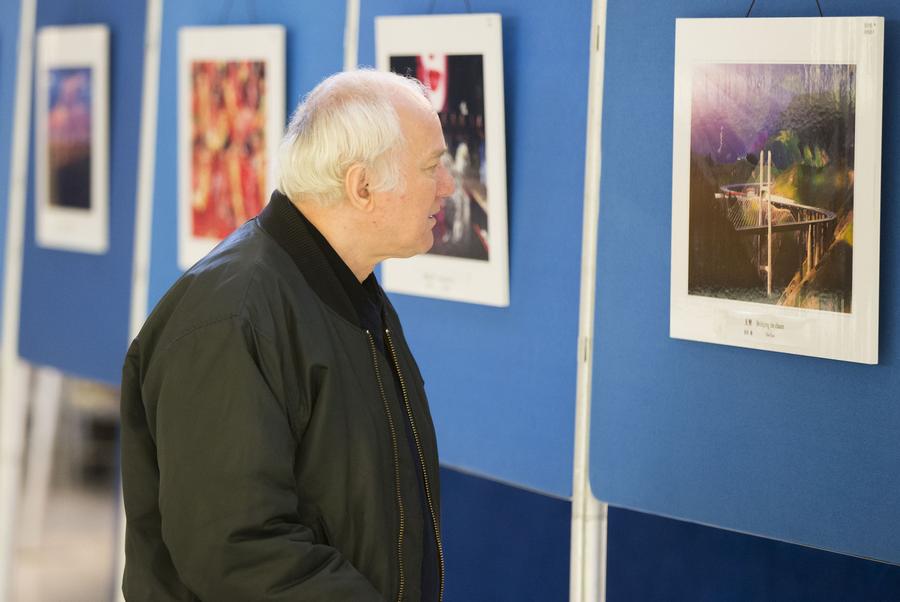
296	235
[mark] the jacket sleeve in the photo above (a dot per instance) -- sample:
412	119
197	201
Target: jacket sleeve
227	493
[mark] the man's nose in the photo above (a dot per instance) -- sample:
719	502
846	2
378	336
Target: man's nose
447	182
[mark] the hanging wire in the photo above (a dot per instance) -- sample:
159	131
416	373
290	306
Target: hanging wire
466	2
750	9
819	6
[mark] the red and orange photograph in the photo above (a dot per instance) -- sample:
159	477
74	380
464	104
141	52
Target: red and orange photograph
230	121
228	160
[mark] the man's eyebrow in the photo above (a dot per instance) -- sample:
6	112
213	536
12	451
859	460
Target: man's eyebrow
439	153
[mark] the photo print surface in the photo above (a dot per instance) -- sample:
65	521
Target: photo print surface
455	87
228	145
771	184
69	137
776	184
230	120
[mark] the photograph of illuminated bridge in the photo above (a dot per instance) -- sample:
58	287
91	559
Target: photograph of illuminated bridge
771	184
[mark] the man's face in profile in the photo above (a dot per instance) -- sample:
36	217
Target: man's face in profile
406	214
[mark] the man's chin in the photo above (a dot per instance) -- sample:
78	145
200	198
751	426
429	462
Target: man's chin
428	246
425	246
411	254
420	249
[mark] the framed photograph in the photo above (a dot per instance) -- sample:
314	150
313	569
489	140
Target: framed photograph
71	138
230	121
776	184
459	58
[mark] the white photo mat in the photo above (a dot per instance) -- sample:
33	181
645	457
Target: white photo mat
850	335
248	43
72	138
458	278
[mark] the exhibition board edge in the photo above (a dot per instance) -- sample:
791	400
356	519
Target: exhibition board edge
13	371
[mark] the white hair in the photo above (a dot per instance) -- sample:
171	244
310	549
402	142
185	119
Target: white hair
348	119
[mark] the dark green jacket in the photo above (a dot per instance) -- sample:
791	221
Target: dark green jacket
264	455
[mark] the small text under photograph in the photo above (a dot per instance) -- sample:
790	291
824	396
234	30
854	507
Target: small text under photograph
458	59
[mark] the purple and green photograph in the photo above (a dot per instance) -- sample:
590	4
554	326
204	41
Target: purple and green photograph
771	184
69	137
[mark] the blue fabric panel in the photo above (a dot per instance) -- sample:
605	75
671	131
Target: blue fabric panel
74	313
655	559
794	448
9	41
314	50
502	543
501	382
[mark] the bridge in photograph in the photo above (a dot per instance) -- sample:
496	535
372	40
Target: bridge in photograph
750	208
748	211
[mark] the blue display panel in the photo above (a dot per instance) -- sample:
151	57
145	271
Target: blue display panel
74	306
502	542
656	559
788	447
501	382
9	40
315	35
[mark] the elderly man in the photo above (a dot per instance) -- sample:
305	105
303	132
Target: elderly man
276	438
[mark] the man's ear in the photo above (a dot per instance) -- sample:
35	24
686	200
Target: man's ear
356	188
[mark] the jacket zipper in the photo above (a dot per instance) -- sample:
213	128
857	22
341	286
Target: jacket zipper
387	411
412	424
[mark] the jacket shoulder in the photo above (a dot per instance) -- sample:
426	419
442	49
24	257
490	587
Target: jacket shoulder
244	277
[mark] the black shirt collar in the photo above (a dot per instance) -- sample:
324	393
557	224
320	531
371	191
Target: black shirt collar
323	268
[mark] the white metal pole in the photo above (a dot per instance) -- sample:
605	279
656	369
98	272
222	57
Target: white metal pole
14	385
143	219
587	574
143	213
351	36
45	402
15	391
